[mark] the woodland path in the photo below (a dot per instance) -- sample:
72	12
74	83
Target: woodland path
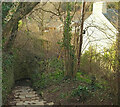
25	95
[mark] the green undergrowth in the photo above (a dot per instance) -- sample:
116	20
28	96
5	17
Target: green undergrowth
82	77
44	79
55	79
7	75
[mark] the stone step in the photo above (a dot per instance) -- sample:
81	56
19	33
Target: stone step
25	95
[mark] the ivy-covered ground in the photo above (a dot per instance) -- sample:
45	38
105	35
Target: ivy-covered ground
83	89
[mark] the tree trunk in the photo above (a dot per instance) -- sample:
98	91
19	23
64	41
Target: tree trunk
81	34
69	53
10	28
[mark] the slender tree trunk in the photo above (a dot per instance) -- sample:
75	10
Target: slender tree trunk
118	54
81	34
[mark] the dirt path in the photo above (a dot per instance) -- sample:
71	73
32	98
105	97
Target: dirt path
24	95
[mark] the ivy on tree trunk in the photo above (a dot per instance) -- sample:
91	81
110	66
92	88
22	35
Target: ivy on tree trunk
68	48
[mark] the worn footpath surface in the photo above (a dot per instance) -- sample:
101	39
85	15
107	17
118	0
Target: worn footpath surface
25	95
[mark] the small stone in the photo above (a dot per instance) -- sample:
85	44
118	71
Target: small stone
33	103
16	96
51	103
34	92
16	100
12	103
21	96
19	103
17	93
30	95
39	103
27	102
43	101
27	99
36	100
